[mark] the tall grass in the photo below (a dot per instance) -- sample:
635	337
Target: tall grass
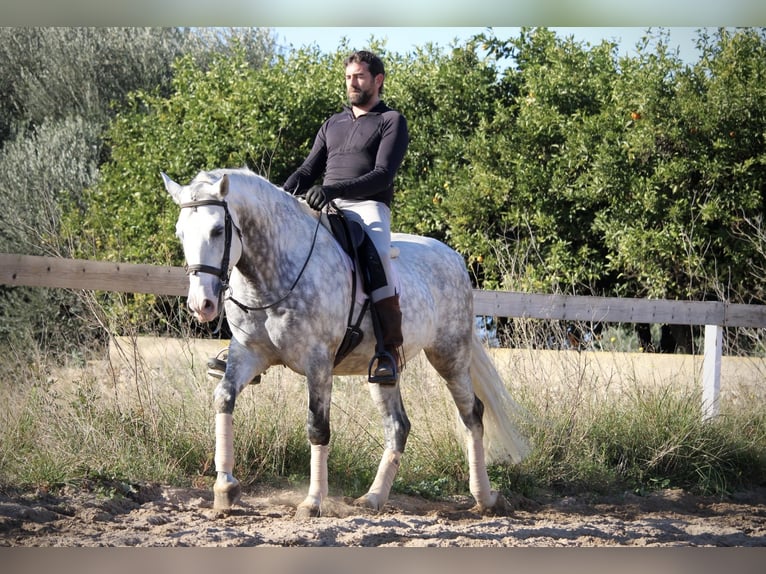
650	439
133	422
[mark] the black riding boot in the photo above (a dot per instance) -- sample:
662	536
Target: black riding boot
390	362
216	366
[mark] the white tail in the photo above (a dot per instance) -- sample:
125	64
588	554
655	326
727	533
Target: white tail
502	438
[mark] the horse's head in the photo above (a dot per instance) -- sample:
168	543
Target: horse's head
210	237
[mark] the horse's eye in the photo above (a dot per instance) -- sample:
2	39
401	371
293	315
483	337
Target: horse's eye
216	232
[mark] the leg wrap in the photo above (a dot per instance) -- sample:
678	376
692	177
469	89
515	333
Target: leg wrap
478	481
224	443
384	479
318	483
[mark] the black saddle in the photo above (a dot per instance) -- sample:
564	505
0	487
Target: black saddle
349	234
354	240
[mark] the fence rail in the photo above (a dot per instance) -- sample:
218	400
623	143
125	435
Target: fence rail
615	310
36	271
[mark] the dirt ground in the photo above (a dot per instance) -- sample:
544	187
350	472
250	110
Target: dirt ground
161	516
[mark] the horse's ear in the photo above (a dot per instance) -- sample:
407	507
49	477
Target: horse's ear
172	187
223	188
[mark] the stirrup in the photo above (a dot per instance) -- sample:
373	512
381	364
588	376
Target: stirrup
216	367
386	372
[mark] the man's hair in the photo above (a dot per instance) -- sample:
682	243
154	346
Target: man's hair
374	64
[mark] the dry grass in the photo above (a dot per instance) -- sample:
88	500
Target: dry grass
145	413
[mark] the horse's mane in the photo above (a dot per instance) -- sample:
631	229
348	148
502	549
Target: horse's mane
244	178
215	174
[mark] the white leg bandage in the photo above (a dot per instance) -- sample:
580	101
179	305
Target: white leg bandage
318	482
478	481
224	443
384	479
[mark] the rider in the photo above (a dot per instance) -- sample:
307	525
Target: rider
358	151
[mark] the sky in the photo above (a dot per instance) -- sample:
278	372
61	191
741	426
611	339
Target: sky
404	39
272	13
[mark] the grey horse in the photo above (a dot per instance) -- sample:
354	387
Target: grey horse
287	291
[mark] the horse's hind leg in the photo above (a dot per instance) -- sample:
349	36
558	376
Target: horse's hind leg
396	428
455	370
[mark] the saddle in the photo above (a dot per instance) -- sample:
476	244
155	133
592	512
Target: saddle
353	239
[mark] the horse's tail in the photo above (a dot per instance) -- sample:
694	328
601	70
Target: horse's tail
503	440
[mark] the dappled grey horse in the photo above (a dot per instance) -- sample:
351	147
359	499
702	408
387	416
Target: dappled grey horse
287	288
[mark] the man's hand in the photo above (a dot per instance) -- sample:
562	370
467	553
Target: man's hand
319	196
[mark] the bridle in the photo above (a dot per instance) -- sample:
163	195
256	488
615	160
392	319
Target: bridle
222	272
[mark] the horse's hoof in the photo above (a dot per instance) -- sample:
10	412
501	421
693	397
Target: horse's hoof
498	507
369	501
226	494
309	508
306	511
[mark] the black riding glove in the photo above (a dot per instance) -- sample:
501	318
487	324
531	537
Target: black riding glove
319	196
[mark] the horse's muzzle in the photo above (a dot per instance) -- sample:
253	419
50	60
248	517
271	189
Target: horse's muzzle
204	291
206	311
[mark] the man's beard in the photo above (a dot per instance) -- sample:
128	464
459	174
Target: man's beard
359	98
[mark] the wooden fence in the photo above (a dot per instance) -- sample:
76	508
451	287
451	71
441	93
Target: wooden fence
133	278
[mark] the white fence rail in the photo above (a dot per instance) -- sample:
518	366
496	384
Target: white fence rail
26	270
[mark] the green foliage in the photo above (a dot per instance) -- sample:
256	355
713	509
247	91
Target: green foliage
44	171
41	173
622	176
59	72
53	73
251	116
445	97
59	89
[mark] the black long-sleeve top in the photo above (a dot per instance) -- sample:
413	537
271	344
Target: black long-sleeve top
358	155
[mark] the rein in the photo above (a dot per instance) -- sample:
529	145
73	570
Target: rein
292	287
222	272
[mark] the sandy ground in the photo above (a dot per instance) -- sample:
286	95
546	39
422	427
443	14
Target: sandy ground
160	516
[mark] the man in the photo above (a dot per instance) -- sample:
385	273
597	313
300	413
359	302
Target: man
358	151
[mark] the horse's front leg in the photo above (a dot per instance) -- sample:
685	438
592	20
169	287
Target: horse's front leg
226	490
240	369
318	428
396	428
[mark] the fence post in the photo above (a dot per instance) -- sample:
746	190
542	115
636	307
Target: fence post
711	371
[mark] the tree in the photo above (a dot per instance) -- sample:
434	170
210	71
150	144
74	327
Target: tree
228	115
59	89
571	170
529	202
695	158
631	176
446	97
